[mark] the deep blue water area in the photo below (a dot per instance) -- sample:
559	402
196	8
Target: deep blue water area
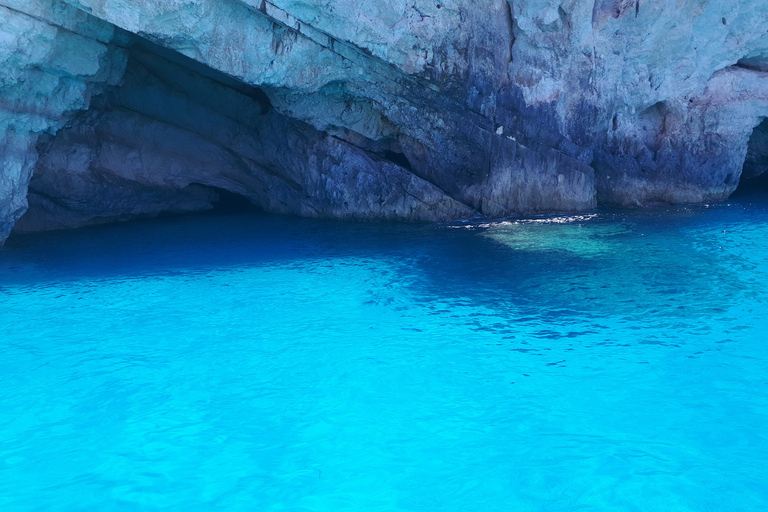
615	361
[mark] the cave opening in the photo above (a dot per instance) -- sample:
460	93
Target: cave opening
757	185
754	174
153	145
398	159
230	202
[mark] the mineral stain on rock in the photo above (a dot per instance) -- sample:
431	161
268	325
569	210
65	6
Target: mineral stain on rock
406	110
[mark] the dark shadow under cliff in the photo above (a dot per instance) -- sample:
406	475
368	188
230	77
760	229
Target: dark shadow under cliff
754	178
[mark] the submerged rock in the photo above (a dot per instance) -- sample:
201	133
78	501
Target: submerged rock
407	110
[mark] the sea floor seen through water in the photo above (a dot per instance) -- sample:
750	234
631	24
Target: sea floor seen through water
613	361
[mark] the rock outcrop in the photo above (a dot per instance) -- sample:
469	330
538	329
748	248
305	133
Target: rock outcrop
53	59
409	110
167	137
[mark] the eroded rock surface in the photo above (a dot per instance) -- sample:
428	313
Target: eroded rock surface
166	135
408	109
53	58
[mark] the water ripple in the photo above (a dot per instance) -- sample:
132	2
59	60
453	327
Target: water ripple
610	361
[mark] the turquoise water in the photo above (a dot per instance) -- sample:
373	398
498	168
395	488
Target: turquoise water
613	361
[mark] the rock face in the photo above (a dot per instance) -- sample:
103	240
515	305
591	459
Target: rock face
167	134
407	109
53	59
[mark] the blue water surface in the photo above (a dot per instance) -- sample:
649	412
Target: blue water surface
615	361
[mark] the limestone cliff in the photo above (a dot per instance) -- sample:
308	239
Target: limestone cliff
407	109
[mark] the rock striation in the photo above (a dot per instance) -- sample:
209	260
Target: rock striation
409	109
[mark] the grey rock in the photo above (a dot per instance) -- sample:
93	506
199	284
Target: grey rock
53	59
408	110
163	139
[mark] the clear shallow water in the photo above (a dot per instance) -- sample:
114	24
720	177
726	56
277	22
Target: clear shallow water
617	361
